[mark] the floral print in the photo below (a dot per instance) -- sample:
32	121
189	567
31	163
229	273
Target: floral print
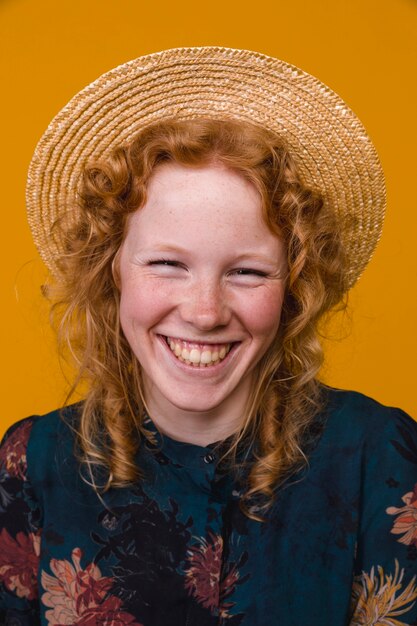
19	561
13	452
406	522
203	576
80	596
378	599
176	549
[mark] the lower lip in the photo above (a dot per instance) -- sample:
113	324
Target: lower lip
196	369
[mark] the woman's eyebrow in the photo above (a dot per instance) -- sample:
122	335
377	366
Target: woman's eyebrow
245	256
155	248
255	256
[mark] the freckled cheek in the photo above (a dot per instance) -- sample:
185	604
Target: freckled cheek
142	305
263	315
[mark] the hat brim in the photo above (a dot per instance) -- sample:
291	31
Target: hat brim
330	146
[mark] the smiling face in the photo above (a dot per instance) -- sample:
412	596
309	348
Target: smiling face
202	286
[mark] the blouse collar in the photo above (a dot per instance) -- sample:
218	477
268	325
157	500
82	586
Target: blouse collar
190	455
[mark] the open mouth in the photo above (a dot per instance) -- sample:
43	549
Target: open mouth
196	354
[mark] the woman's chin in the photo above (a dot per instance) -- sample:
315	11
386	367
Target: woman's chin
196	404
219	390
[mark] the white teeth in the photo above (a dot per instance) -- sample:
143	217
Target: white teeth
206	357
196	357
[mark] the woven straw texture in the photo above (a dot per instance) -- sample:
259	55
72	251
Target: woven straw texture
329	144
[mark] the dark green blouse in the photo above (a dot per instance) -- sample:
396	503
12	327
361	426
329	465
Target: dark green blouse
338	548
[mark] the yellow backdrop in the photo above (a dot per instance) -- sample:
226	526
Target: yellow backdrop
364	49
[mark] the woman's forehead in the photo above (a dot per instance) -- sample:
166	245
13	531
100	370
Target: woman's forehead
199	207
179	192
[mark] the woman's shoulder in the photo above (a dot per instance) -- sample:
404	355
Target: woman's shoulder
37	437
357	418
51	423
343	402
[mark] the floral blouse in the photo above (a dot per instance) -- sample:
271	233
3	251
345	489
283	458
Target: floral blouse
338	547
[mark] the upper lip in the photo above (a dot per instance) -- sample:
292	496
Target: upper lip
202	341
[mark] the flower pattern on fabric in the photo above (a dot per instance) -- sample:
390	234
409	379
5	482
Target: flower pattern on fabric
378	599
203	576
145	544
13	452
19	561
81	596
5	497
406	522
176	548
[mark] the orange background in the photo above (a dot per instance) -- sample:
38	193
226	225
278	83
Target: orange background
364	49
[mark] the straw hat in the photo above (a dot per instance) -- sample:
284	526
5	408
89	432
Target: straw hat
329	144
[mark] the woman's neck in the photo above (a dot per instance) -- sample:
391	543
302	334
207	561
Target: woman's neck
197	427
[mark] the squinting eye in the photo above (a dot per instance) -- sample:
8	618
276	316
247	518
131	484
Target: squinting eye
167	267
164	262
249	272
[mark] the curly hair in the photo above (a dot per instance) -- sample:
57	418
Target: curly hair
286	396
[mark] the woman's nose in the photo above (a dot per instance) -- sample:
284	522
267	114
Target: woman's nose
205	306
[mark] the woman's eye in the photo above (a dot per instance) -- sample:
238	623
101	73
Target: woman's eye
166	267
249	272
164	262
246	276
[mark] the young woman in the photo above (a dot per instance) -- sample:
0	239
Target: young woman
200	211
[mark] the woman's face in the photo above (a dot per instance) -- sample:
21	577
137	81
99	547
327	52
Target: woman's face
202	285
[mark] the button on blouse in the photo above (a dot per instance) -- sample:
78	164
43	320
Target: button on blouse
338	547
